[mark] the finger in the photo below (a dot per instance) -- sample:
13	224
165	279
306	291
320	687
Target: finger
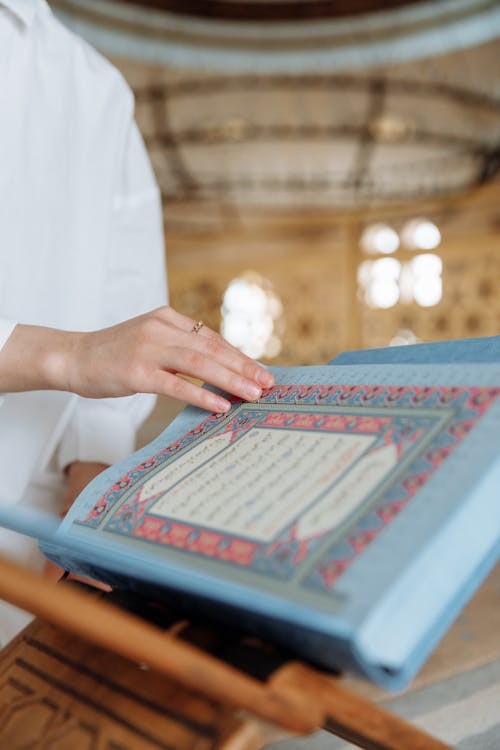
176	318
167	384
199	365
214	345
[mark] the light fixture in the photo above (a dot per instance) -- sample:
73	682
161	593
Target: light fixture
389	129
420	234
379	239
386	281
252	316
404	337
427	284
379	278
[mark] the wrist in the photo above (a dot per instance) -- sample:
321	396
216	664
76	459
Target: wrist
58	360
36	358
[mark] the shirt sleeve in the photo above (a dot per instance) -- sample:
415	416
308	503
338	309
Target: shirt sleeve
104	430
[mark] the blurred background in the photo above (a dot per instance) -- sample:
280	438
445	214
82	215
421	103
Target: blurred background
330	171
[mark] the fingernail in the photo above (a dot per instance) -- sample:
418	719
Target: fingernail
221	405
252	392
265	378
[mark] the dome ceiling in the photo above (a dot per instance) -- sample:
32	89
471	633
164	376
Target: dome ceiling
273	10
284	36
422	129
319	120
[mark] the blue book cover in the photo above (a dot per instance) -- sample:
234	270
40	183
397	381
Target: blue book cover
348	514
486	349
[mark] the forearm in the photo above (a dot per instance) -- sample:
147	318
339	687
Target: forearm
145	354
37	358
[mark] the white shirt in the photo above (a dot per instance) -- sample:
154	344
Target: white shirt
81	243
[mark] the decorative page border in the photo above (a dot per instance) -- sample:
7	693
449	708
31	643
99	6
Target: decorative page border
282	557
285	554
469	405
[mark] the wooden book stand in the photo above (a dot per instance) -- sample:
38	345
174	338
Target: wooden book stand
90	674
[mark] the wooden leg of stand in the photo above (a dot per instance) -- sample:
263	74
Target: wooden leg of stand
352	717
376	729
57	691
124	634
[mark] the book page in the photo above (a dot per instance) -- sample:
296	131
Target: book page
295	486
257	485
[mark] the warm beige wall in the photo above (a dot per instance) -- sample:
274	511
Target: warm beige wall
311	260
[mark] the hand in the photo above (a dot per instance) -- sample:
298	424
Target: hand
146	354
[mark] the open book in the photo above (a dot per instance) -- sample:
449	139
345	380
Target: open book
347	514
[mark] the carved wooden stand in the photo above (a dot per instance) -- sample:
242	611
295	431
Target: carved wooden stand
106	679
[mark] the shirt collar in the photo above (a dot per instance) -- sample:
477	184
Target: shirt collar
23	9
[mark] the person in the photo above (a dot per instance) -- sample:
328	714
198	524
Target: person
83	300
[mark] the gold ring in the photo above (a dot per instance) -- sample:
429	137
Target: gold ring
197	326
